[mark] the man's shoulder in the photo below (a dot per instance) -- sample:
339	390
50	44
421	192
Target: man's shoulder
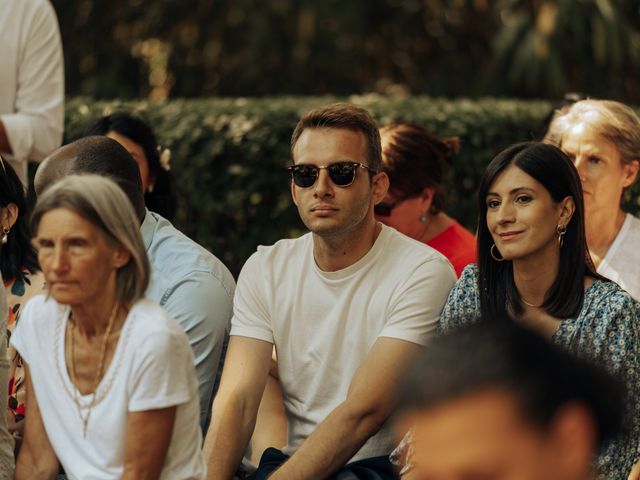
170	250
283	250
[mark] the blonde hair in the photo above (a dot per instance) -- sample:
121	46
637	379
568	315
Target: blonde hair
614	121
101	202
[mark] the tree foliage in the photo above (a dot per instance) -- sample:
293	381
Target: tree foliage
529	48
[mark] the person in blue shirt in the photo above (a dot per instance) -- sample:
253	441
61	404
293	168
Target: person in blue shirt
186	279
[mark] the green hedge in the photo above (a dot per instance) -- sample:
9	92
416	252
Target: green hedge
228	156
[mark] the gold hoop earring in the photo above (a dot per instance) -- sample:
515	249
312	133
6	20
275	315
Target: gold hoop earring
561	230
493	255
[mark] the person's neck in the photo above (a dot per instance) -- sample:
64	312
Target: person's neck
91	319
535	275
436	224
602	228
333	253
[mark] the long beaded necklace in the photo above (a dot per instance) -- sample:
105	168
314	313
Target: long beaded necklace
103	352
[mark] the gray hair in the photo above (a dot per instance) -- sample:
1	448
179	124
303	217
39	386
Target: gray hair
102	202
614	121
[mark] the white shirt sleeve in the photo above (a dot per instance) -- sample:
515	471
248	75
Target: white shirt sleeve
418	304
160	376
251	314
35	127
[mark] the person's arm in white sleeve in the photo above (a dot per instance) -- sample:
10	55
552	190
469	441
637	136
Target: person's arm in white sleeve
35	128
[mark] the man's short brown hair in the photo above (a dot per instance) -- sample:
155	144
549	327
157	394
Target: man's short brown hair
345	116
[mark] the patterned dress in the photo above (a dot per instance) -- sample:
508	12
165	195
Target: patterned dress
606	331
19	291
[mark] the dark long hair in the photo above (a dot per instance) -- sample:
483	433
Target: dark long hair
18	253
553	169
163	198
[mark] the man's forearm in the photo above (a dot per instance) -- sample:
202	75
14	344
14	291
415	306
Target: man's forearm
227	439
332	444
5	147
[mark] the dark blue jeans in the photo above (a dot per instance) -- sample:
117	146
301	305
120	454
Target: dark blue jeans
376	468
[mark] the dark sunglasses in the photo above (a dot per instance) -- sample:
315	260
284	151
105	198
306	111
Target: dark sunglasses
385	209
342	174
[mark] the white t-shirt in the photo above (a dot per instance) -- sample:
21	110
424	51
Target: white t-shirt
622	261
31	81
152	368
323	324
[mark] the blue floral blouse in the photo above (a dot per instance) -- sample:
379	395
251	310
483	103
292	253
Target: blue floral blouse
607	331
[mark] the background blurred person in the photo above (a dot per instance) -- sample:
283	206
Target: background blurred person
416	162
31	82
22	280
498	401
602	138
112	391
137	137
534	267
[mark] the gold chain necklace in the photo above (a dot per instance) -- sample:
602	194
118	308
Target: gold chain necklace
529	304
103	352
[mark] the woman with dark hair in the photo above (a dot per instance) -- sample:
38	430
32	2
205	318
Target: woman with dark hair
22	280
534	267
138	138
416	162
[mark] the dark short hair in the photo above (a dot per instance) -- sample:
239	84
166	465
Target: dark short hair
163	198
554	170
344	116
415	159
106	157
502	355
18	253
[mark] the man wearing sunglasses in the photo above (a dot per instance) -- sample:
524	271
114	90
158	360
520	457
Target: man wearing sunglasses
347	307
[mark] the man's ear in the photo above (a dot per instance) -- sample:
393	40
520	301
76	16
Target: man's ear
293	193
573	432
630	173
379	187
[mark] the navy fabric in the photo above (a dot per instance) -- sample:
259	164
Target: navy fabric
376	468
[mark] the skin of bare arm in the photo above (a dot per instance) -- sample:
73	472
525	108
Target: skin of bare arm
236	404
370	401
147	442
37	460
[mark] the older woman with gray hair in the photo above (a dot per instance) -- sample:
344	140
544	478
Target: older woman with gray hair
602	138
112	389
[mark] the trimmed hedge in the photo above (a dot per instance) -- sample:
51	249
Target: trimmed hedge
228	156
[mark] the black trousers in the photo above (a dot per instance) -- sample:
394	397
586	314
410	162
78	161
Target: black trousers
376	468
